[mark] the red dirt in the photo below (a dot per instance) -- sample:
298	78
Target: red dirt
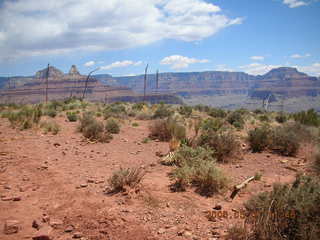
46	172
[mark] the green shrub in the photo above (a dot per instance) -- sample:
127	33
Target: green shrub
135	124
224	144
115	110
264	118
93	129
281	118
50	112
123	178
50	126
185	110
212	124
196	167
138	106
236	119
26	117
259	138
163	111
72	116
112	126
285	141
289	211
217	113
164	130
310	117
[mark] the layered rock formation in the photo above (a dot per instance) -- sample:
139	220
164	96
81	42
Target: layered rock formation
73	84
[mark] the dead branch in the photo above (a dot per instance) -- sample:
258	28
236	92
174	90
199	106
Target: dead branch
238	187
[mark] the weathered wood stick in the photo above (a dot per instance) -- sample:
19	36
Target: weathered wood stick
237	188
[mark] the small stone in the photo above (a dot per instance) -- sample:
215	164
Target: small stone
16	198
168	204
69	229
268	155
57	144
77	235
83	185
45	218
217	207
6	198
36	224
267	185
90	181
55	223
43	234
11	227
7	187
187	234
161	231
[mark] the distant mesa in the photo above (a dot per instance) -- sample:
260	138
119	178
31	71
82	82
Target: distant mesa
53	73
74	70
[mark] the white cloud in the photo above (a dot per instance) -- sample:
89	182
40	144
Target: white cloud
223	67
258	68
294	3
120	64
313	70
89	64
297	56
178	61
33	27
257	58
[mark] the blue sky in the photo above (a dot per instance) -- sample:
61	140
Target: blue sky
122	36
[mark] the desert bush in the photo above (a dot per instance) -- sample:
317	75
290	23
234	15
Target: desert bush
217	113
236	119
310	117
135	124
201	108
166	129
212	124
112	126
26	117
259	138
316	163
289	211
285	141
162	111
264	118
72	116
224	144
281	117
50	112
123	178
50	126
143	116
93	129
116	110
237	232
138	106
196	167
185	110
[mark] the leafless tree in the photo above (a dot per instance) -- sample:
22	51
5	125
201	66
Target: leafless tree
86	83
47	82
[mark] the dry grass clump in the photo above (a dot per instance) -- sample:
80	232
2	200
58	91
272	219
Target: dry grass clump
50	126
93	129
122	178
26	117
166	129
224	144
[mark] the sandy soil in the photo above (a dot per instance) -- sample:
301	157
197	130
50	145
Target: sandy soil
59	180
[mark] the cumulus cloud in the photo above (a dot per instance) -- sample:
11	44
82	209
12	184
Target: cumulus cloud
178	61
257	58
297	56
313	69
120	64
294	3
89	64
33	27
258	68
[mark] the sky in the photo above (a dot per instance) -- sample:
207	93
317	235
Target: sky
121	36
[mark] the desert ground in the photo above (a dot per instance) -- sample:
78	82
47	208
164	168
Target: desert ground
55	186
